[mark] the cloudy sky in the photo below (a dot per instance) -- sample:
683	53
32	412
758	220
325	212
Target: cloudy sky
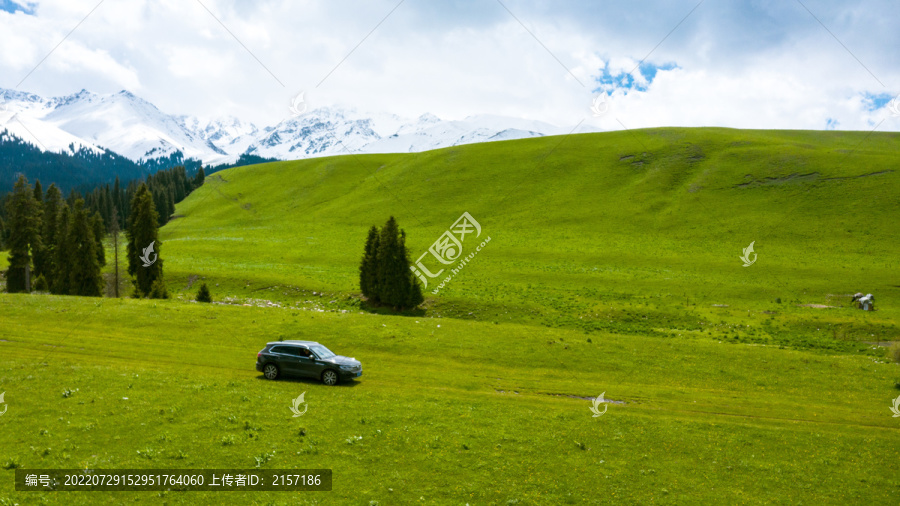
815	64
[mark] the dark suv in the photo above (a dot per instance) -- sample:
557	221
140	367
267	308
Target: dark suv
307	359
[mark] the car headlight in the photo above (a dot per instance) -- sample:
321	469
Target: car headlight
348	367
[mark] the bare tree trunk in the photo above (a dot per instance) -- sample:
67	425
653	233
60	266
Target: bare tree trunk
28	278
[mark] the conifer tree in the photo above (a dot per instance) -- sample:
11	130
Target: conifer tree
143	231
84	274
40	284
62	264
158	290
368	268
23	213
203	294
199	178
39	258
114	232
97	227
45	262
38	191
397	285
118	203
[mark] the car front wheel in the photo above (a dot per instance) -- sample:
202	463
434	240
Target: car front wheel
330	378
270	371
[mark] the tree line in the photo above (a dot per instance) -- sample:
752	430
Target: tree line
167	187
68	168
56	244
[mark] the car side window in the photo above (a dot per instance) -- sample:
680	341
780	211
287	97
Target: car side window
285	350
303	352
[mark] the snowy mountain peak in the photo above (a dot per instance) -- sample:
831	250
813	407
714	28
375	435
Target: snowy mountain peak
428	118
135	128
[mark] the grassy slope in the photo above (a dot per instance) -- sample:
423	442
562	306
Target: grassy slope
457	413
627	252
582	235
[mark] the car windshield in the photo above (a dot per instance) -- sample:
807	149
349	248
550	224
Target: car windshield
321	351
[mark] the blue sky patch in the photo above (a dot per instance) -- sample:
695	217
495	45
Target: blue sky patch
13	7
624	80
831	124
875	102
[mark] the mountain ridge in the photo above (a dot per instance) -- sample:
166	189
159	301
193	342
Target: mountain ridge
135	128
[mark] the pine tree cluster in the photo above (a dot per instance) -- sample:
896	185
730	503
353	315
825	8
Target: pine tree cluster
384	273
56	244
52	246
168	188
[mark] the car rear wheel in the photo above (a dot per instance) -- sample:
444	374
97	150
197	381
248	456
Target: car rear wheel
330	378
270	371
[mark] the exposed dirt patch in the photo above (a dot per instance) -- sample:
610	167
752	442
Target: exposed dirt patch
769	181
879	173
637	161
191	280
818	306
800	178
571	396
883	344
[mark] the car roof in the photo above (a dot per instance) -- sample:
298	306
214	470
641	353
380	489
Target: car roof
292	341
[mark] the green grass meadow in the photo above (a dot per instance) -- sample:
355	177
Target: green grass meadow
613	267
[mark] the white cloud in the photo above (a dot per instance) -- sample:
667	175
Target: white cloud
757	65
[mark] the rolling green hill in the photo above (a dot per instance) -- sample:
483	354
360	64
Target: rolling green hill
634	232
613	267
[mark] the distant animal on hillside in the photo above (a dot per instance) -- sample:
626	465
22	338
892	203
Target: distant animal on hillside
864	302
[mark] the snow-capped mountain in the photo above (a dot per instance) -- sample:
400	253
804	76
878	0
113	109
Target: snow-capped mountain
20	115
429	132
227	134
322	132
138	130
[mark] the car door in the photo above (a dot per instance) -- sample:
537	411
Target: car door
306	363
286	358
315	366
